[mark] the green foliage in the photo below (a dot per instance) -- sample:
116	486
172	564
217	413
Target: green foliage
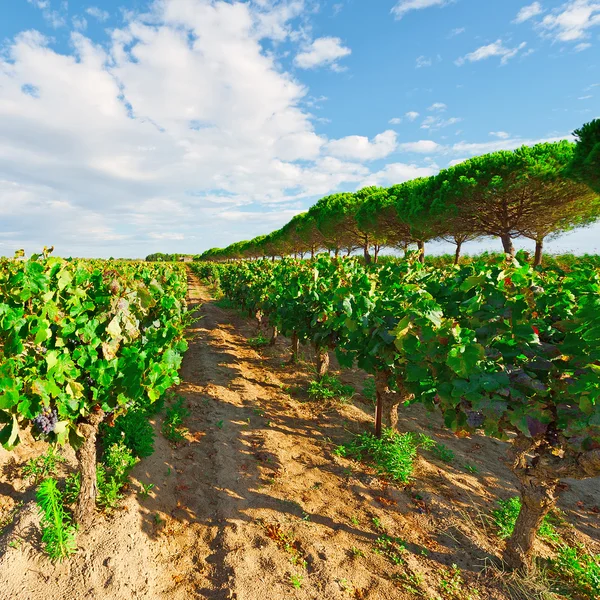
296	581
369	391
172	427
329	387
578	572
134	430
146	489
112	474
442	452
393	454
505	516
258	342
390	547
58	534
585	165
44	465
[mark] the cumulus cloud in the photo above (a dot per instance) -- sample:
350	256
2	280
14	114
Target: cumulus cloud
97	13
572	21
437	107
404	6
423	61
421	147
412	115
503	135
395	121
528	12
496	48
357	147
325	51
398	173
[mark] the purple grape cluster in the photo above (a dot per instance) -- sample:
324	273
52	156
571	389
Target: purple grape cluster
46	421
475	419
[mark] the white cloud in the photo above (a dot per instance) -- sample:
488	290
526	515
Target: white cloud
412	115
357	147
583	46
475	149
457	31
434	123
395	121
421	147
97	13
398	173
322	51
456	161
572	20
79	23
497	48
423	61
404	6
500	134
585	97
437	107
528	12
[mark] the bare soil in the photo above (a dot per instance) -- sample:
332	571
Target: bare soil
255	501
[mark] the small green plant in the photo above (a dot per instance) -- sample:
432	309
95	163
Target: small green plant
220	424
296	581
393	454
442	452
453	587
390	547
471	468
258	342
58	533
505	516
134	430
146	488
369	391
172	427
9	517
577	571
378	524
329	387
112	474
356	552
411	582
43	466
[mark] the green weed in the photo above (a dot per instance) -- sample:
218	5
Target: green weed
577	571
390	547
453	587
58	533
329	387
296	581
369	391
43	466
146	488
172	427
258	342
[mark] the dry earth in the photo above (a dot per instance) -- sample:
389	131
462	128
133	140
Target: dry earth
255	496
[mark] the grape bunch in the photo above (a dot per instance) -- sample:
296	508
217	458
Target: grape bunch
46	421
475	419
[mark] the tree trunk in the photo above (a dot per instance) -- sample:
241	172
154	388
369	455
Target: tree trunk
322	361
386	412
86	455
312	253
336	253
457	253
295	348
539	250
367	255
537	498
376	250
274	336
507	244
421	247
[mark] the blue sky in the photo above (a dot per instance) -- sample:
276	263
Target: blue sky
128	127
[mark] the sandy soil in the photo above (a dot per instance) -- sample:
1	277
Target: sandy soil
256	497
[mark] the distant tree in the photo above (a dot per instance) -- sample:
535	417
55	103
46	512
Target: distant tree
585	166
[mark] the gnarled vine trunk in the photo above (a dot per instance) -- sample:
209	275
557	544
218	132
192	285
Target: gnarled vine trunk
507	244
537	499
421	247
386	411
295	348
539	250
322	361
86	455
274	336
457	253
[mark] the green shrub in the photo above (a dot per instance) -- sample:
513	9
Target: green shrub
134	430
112	474
329	387
172	427
578	571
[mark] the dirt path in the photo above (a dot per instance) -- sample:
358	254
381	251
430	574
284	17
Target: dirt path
254	505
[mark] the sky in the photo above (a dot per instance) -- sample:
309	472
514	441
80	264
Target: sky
129	127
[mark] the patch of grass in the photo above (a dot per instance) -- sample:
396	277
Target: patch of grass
58	533
43	466
410	582
453	587
172	427
470	468
577	571
224	302
259	341
393	454
134	430
505	516
9	517
390	547
296	581
442	452
329	387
